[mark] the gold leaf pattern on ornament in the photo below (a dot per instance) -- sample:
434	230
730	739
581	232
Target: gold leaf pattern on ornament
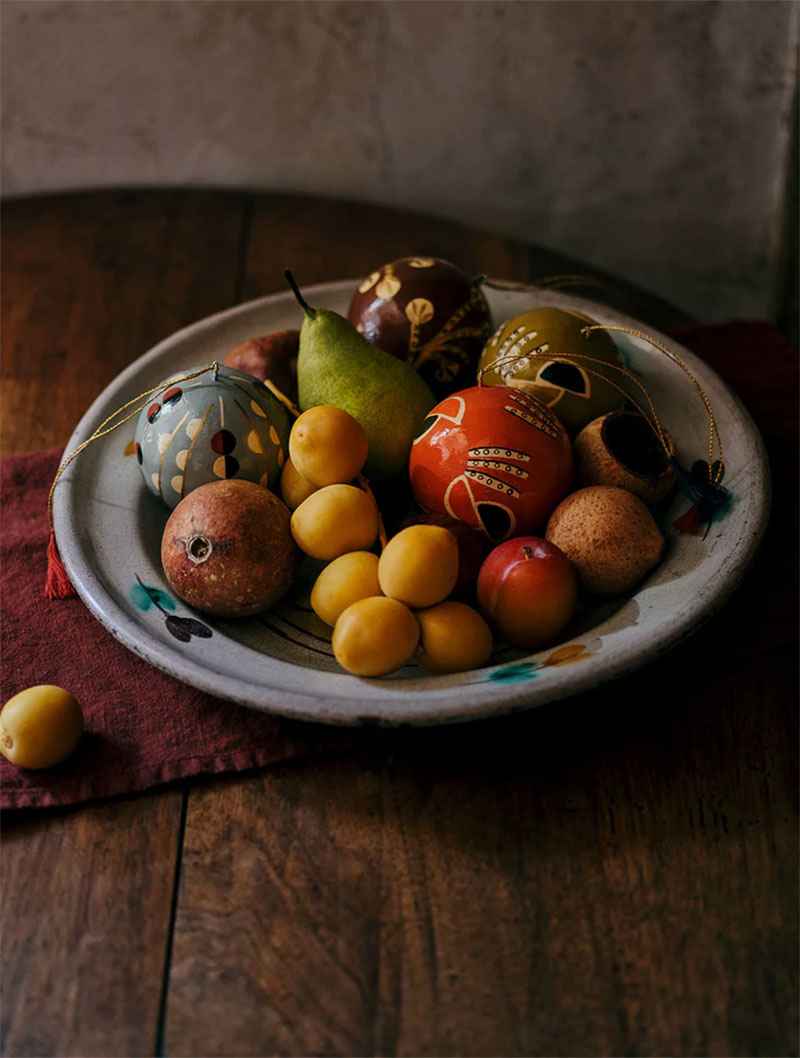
254	443
370	281
419	311
388	287
421	262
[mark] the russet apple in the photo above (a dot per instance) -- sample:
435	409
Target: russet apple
272	356
527	590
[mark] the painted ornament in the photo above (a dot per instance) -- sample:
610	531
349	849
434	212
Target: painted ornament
222	424
621	449
494	458
427	312
571	387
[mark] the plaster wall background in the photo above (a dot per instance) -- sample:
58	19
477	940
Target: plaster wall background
652	138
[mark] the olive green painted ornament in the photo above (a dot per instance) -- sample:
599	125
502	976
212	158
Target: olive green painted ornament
532	351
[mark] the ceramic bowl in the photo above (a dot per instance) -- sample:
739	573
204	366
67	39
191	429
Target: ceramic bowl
109	526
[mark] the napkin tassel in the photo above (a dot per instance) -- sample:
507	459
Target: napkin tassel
57	584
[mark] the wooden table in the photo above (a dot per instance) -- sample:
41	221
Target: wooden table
612	875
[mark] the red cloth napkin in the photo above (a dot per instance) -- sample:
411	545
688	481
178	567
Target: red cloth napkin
144	728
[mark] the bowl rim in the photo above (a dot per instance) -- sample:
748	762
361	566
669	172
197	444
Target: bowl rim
440	704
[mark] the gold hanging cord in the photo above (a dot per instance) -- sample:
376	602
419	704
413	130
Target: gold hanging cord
714	473
714	477
104	427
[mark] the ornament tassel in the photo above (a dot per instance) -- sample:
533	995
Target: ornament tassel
57	584
690	522
708	498
707	495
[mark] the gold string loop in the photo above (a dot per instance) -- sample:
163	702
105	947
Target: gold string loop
557	282
713	432
652	419
103	429
554	282
715	471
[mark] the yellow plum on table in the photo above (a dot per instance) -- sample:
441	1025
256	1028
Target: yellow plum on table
328	446
40	726
454	638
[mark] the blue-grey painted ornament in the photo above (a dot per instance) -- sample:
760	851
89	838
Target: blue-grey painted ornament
221	424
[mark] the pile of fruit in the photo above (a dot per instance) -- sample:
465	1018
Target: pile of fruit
460	485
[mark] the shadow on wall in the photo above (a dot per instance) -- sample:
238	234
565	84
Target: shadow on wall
652	140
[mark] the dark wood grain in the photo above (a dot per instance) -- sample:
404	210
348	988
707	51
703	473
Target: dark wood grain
615	876
612	875
325	239
86	910
90	282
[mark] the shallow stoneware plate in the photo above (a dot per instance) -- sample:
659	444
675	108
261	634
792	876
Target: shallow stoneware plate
109	526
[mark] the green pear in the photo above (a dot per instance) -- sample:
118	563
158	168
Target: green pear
338	366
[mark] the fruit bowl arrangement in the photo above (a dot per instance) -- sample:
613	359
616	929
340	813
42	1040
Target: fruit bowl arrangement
476	517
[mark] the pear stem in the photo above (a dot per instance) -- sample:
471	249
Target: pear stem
311	313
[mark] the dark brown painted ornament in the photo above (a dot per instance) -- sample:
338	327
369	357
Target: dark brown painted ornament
427	312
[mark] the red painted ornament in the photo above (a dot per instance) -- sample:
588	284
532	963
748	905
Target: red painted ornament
494	458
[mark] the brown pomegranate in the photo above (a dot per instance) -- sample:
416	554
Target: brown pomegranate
227	549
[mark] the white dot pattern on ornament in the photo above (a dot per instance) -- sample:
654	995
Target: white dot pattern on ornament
492	483
497	464
509	453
